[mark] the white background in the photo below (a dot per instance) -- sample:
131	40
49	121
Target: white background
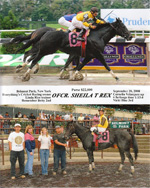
130	14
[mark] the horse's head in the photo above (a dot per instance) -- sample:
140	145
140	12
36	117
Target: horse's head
121	29
70	129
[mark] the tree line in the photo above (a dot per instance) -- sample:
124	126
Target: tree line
14	11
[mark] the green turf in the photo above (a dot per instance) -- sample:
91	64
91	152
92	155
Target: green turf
55	26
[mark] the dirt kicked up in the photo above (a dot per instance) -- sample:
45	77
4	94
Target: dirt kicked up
78	176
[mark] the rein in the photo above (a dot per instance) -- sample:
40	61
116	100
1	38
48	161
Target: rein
113	27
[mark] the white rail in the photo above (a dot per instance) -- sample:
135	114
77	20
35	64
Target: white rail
139	33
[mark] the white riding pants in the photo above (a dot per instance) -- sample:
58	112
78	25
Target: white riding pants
100	129
64	22
77	24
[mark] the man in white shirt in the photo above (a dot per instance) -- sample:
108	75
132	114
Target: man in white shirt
81	119
16	146
67	117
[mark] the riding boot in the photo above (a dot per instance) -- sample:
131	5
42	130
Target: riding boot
82	32
68	31
99	135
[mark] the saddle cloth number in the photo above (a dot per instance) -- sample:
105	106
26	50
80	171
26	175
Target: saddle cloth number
104	138
73	39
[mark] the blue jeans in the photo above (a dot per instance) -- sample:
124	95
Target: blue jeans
44	155
29	164
59	154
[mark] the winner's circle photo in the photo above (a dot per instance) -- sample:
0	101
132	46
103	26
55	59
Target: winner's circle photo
58	144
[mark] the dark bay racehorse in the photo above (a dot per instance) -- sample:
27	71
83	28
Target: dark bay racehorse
33	40
96	41
121	138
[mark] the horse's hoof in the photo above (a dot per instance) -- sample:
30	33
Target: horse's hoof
71	79
36	71
117	80
26	78
78	77
18	70
65	77
117	172
131	175
19	66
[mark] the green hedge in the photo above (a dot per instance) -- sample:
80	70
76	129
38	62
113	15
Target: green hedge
11	48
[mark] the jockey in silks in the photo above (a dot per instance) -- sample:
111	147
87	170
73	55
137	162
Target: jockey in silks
102	126
66	20
81	21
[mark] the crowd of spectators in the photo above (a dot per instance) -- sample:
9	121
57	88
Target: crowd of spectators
51	120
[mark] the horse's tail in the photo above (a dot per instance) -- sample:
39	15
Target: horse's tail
135	145
29	43
19	39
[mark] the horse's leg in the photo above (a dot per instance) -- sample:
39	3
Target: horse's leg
93	164
122	155
89	153
77	61
26	76
128	154
20	67
100	57
81	65
37	67
69	60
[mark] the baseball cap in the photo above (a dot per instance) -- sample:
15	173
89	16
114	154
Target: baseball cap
17	125
57	126
101	109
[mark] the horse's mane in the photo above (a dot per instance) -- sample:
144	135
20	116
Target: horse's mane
86	129
100	26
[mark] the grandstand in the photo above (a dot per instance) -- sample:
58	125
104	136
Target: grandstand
121	112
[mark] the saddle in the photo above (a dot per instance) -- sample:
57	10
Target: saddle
73	42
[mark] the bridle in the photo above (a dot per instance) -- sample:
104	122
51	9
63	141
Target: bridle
115	29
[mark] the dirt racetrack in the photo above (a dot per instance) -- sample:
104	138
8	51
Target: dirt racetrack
92	79
78	176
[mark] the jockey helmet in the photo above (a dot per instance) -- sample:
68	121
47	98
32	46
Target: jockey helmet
94	9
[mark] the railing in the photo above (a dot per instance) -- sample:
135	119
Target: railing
7	124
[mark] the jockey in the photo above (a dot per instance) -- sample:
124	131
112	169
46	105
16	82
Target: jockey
81	21
66	20
102	126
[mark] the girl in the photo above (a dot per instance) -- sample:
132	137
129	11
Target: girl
45	141
30	146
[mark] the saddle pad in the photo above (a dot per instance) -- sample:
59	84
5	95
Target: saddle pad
73	39
103	139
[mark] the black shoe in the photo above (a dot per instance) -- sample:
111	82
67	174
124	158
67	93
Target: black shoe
82	32
68	31
99	136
